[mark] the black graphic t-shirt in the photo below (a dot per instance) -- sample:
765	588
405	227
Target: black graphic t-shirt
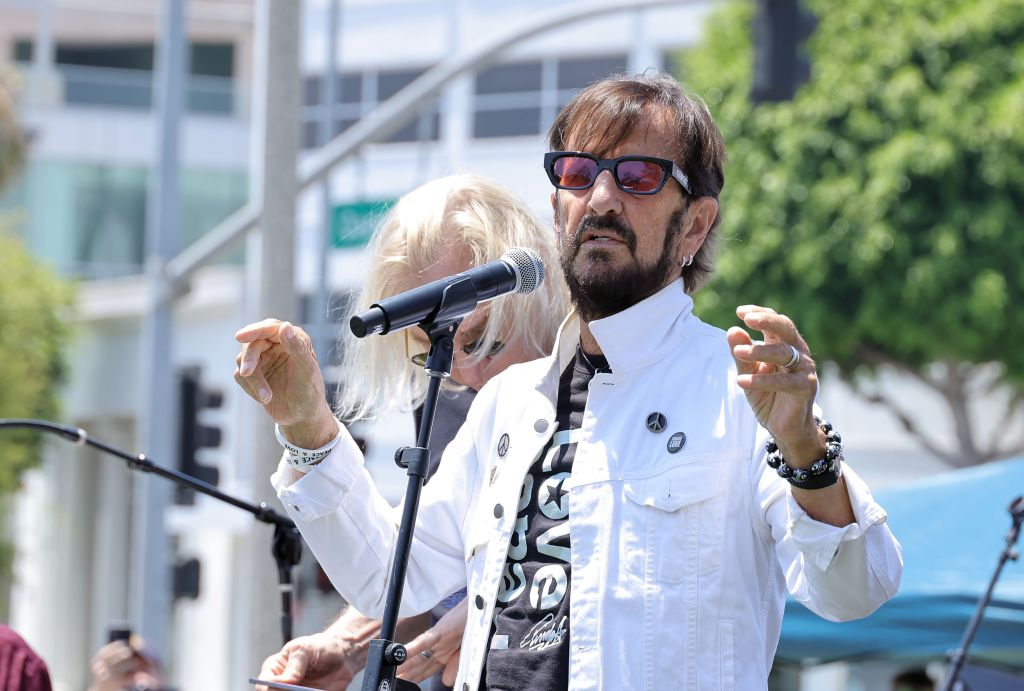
529	647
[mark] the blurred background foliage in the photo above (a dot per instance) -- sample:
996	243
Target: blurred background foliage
881	207
34	332
12	147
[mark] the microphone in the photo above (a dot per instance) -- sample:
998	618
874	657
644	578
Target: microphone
519	270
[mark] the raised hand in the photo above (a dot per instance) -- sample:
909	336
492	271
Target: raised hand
780	381
278	368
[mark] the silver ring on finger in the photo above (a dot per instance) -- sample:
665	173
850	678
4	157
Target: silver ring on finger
427	655
794	360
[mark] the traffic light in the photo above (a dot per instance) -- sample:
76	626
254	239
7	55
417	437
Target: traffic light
781	63
193	435
185	578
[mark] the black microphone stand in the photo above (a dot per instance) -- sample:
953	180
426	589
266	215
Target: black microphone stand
286	546
959	656
385	654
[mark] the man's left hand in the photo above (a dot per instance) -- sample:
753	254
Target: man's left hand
780	381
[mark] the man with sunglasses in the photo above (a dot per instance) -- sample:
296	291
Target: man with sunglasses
630	511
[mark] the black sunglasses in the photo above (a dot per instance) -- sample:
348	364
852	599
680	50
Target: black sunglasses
470	349
575	170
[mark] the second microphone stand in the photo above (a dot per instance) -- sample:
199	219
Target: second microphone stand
286	546
959	657
385	654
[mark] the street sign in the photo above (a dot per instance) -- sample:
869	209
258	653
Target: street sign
353	224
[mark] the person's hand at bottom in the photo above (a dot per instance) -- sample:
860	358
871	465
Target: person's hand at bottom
437	648
118	665
321	660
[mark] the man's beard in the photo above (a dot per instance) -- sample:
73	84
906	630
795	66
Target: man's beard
608	289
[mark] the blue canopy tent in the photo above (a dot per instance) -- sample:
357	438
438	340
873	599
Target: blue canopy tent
952	528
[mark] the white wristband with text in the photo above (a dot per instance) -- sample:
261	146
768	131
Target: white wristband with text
304	459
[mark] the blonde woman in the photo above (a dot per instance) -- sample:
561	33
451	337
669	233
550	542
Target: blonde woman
441	228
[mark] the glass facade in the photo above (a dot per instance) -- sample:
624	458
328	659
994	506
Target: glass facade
89	220
121	75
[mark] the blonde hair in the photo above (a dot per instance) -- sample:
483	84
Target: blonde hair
466	213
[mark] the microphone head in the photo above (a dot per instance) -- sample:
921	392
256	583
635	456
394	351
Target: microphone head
528	267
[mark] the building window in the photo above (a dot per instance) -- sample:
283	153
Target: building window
522	98
390	83
311	91
348	88
121	75
355	95
506	122
510	78
576	73
508	100
672	62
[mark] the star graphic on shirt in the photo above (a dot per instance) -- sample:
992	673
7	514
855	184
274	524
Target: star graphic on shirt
549	496
555	493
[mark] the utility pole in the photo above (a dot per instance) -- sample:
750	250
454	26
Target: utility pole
320	325
150	592
271	266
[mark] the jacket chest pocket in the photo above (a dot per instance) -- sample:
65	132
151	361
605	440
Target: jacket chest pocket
674	522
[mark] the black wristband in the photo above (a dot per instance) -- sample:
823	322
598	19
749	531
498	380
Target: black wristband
824	472
826	479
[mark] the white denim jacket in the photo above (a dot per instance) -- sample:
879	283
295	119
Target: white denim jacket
681	561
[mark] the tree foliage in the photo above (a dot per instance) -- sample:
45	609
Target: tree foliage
12	149
33	332
881	207
34	306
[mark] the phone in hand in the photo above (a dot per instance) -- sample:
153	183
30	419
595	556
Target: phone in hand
280	685
119	633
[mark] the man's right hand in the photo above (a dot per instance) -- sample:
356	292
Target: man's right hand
321	660
278	368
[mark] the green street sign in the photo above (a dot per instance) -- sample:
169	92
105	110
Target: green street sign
353	224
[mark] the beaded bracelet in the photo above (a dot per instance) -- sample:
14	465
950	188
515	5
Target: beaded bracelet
303	459
824	472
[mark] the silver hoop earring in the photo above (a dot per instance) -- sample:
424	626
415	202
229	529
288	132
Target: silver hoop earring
687	260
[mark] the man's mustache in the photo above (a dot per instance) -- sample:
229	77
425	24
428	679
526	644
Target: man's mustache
602	225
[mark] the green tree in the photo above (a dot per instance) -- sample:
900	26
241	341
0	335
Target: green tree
34	318
881	207
12	149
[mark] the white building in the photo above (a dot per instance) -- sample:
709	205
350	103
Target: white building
86	104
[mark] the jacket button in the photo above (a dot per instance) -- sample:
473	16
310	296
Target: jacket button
479	602
540	425
465	686
499	510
